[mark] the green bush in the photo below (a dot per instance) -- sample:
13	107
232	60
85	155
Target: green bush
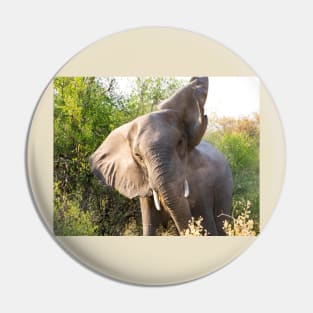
71	221
238	140
86	110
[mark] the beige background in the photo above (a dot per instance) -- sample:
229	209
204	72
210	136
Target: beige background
154	52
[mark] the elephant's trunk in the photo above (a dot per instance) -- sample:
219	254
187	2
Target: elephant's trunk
157	200
173	199
178	208
170	188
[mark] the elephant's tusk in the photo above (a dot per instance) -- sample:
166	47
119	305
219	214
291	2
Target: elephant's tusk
156	200
186	189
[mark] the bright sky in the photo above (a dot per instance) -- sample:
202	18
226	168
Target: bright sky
233	96
228	96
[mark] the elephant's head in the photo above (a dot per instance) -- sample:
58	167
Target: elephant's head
148	156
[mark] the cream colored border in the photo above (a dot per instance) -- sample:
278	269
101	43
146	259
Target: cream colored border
154	52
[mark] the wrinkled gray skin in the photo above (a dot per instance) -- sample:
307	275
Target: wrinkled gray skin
158	151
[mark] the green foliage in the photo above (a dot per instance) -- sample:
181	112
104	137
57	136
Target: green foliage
69	220
73	222
238	140
86	110
147	93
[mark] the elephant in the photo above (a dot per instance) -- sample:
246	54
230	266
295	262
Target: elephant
160	158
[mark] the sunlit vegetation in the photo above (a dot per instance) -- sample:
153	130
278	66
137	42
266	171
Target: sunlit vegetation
87	109
239	139
195	228
242	225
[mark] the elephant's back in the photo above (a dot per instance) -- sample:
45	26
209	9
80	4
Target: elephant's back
210	159
209	151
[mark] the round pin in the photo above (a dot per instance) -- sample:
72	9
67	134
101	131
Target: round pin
155	156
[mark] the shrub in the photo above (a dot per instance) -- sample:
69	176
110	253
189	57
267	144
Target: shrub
71	221
132	228
238	140
86	110
169	230
242	225
195	228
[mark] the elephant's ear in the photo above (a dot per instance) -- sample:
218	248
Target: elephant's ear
114	164
189	102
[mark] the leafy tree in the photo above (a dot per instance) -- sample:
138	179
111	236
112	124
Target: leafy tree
150	91
86	110
238	140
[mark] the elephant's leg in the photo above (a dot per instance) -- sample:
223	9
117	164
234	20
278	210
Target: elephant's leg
151	217
205	207
222	204
209	222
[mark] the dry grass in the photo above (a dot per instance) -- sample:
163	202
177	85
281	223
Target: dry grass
242	225
238	225
195	228
169	230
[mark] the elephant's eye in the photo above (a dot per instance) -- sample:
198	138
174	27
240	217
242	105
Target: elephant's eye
181	144
139	157
181	147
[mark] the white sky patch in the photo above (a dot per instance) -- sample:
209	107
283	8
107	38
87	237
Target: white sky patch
233	96
126	84
228	96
